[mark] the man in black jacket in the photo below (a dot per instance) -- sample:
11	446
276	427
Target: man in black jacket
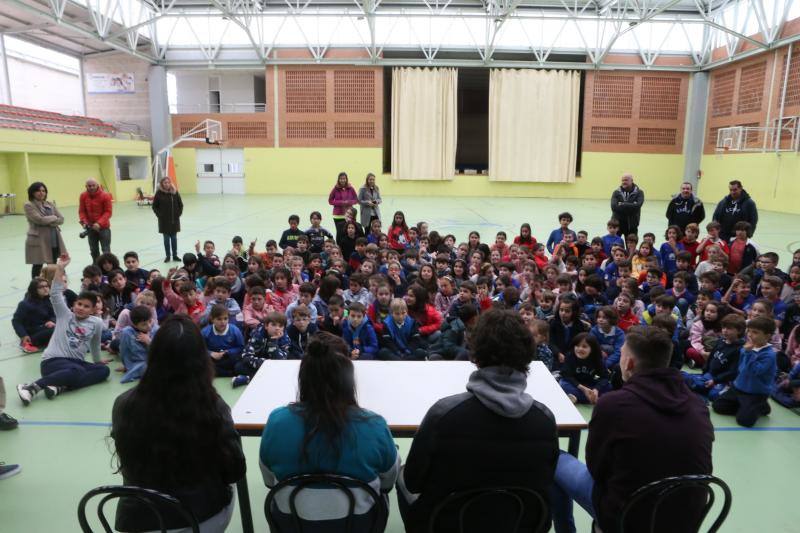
653	427
493	435
685	208
735	207
626	205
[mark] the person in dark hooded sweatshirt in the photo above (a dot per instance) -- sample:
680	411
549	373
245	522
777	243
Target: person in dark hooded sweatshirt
652	428
735	207
494	434
685	208
626	205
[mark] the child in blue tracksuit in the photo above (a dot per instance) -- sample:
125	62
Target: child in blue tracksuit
269	341
400	340
747	397
224	341
609	335
300	331
134	341
722	364
787	391
358	333
222	296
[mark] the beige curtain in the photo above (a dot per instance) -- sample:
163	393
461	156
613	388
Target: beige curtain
424	123
533	125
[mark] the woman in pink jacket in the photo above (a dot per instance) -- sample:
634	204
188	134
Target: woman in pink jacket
342	197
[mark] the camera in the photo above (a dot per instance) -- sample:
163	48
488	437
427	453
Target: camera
84	233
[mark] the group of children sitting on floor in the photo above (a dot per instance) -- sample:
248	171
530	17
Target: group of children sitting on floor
414	294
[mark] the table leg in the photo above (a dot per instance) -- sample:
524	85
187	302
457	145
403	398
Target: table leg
574	442
243	494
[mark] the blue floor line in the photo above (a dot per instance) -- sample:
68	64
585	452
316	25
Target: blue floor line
108	424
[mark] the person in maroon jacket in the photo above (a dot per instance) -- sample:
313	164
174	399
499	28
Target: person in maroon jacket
652	428
94	212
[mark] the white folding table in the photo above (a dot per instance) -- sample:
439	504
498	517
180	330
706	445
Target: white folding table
400	391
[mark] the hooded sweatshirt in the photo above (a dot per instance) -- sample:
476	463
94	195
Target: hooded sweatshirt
729	211
683	211
653	427
449	450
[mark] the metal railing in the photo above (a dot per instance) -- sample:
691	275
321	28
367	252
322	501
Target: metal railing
52	127
175	109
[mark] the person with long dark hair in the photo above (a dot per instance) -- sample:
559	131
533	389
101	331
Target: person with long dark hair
191	449
168	207
35	320
43	243
326	431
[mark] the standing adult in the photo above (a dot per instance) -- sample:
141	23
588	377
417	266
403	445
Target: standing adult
735	207
192	453
43	243
685	208
653	427
495	434
94	213
168	207
369	197
342	197
626	205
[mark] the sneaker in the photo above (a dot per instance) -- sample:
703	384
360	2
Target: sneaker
7	422
166	259
28	347
9	470
240	381
176	258
51	392
27	393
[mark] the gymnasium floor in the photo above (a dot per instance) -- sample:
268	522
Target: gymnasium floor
63	444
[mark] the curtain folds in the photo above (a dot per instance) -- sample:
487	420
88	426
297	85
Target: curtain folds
533	125
424	125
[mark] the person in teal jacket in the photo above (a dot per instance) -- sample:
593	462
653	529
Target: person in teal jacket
326	431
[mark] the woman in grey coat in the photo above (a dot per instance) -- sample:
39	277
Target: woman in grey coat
43	243
369	197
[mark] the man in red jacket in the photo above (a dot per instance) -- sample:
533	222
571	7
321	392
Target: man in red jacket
94	212
653	427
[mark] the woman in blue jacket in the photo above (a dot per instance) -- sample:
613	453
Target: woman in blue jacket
326	431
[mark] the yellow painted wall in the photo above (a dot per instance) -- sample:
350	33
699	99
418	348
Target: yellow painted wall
314	170
64	162
773	180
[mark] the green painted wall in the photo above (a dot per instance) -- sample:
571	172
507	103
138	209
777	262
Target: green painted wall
773	180
64	162
314	170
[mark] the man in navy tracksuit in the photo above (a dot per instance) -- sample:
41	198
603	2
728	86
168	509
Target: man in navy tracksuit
723	362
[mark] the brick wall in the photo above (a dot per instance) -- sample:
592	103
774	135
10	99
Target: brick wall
129	108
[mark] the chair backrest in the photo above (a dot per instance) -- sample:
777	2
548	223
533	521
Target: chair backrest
343	484
150	498
658	492
504	507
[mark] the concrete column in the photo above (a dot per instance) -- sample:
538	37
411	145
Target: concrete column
160	123
5	82
694	136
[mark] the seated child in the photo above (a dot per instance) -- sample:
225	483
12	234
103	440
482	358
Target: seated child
467	293
583	375
283	293
134	341
34	319
667	323
269	341
545	351
379	309
357	291
452	343
683	298
623	305
400	340
305	296
300	330
222	296
592	298
358	333
787	390
747	397
77	331
546	308
134	274
224	341
256	309
609	335
704	334
723	361
182	297
333	322
566	324
445	296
